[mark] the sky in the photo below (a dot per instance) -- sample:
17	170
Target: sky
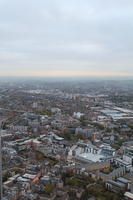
66	37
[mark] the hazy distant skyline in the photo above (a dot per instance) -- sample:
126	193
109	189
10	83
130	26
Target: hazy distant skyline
66	38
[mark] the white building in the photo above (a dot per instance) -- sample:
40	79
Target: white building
90	153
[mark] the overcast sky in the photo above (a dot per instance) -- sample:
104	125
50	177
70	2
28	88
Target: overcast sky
66	37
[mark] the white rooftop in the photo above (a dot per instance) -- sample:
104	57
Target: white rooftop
129	195
92	157
29	176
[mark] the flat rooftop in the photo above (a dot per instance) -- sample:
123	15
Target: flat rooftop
91	157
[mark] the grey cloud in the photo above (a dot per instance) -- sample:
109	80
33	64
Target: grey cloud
94	35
